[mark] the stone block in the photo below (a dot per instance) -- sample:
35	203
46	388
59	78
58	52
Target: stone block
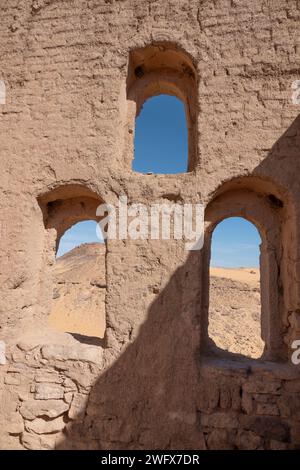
12	379
82	353
219	420
267	409
15	424
78	406
262	386
268	427
42	426
31	441
37	408
219	439
48	391
50	376
247	440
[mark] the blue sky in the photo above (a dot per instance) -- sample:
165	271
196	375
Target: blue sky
161	139
235	243
161	146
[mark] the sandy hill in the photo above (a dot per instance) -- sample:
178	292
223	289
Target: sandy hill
249	276
79	297
84	263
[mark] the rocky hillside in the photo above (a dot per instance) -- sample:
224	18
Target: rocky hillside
79	295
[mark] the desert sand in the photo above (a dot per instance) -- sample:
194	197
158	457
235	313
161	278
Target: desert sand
79	301
79	295
234	317
249	276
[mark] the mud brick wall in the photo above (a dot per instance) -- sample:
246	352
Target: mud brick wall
66	138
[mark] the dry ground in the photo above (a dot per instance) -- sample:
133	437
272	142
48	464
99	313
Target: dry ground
79	296
234	320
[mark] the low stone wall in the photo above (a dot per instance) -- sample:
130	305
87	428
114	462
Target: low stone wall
45	401
43	389
249	406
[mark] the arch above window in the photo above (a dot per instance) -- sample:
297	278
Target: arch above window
67	205
268	219
162	69
73	286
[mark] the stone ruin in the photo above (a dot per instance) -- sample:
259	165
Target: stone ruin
76	74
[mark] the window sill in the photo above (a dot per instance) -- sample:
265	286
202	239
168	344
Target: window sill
245	367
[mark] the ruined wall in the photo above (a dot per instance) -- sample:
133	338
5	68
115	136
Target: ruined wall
64	135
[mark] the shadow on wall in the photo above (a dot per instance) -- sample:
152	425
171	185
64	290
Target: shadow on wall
148	397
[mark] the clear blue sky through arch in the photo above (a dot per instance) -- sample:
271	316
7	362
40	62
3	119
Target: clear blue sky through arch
161	137
235	243
161	146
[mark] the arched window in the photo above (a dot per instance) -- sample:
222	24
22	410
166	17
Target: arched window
266	212
235	304
74	269
161	137
156	71
80	282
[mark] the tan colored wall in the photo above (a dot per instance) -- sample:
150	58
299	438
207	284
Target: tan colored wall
65	125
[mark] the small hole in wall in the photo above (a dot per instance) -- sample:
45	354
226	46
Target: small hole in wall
79	279
139	72
161	137
274	201
234	298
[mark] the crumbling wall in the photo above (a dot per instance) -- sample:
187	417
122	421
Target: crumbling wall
44	387
65	124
